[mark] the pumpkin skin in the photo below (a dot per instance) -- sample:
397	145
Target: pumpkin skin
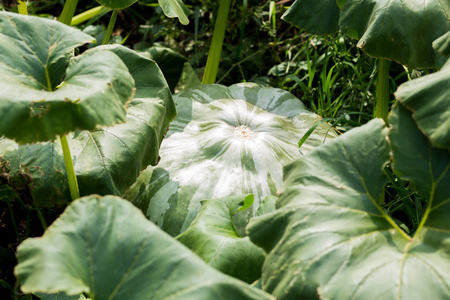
224	141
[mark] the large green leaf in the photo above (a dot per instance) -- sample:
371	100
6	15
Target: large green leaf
316	17
107	161
106	248
442	44
330	238
175	9
169	61
398	30
34	104
428	98
116	4
216	235
224	141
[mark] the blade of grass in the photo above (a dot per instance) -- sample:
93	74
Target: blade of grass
112	22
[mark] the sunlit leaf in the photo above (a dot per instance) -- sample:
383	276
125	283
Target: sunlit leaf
224	141
107	161
175	9
35	104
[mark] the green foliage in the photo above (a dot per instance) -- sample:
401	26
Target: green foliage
394	30
334	240
106	248
169	61
217	235
107	161
362	217
175	9
433	114
116	4
43	104
224	141
316	17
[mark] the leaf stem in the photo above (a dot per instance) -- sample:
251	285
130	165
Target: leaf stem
9	287
112	22
382	89
89	14
41	218
393	224
215	51
68	11
13	221
73	184
427	211
23	7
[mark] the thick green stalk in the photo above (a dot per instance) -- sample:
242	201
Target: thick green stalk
23	7
110	28
73	184
89	14
68	11
212	64
382	89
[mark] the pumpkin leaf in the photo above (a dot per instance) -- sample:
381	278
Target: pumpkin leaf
216	236
331	239
116	4
175	9
169	61
398	30
442	44
34	104
428	98
224	141
326	212
107	161
188	78
316	17
402	31
106	248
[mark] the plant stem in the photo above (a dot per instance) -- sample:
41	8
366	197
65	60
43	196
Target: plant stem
89	14
68	11
382	89
13	220
23	7
242	28
41	218
9	287
427	211
212	64
73	184
110	28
